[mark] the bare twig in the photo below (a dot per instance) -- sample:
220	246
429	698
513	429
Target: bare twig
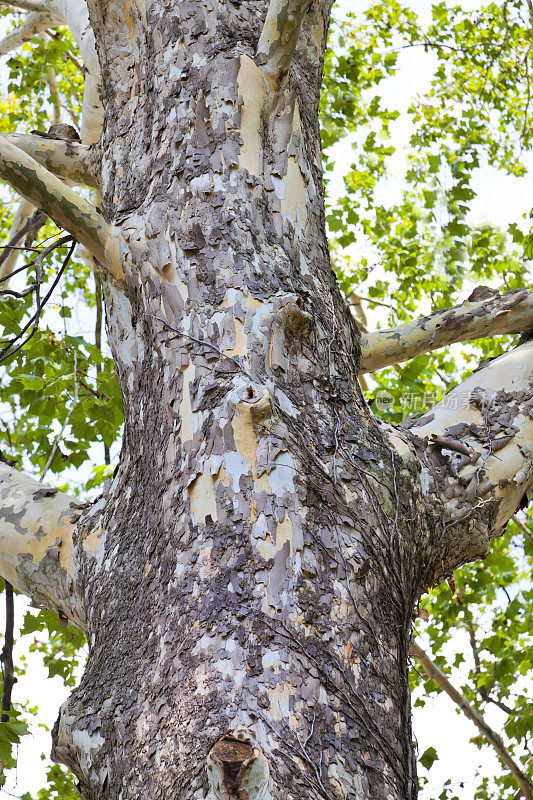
33	322
523	528
6	657
30	228
479	721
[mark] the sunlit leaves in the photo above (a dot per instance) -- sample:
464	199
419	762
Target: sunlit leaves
417	249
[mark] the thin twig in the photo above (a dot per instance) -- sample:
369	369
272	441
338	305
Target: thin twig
8	672
203	342
523	528
469	711
7	351
31	226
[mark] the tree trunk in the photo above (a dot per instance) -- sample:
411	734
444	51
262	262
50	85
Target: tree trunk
248	576
249	582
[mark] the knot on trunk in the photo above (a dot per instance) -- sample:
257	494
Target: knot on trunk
237	769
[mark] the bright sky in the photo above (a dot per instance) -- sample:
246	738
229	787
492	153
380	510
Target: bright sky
501	199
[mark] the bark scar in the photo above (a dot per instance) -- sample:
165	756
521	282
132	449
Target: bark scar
232	756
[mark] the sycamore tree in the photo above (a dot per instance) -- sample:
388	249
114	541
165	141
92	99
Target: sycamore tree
248	577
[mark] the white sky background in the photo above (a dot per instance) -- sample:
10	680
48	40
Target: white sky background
500	199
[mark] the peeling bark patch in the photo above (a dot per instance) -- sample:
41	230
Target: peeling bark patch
203	499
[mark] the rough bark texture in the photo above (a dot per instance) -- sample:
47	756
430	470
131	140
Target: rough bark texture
243	582
247	577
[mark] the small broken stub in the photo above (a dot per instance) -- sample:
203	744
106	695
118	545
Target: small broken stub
237	769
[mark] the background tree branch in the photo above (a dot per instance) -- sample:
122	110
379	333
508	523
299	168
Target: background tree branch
485	313
34	23
433	672
8	261
52	196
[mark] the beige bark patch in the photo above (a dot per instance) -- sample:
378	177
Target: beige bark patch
223	477
93	540
252	90
202	498
140	6
319	31
244	434
114	256
129	21
284	533
240	340
252	303
294	202
265	548
401	447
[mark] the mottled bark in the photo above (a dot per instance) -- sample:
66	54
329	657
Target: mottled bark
73	162
248	575
36	542
48	193
485	313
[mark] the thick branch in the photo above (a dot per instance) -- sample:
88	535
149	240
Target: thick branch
69	160
25	5
493	467
279	38
34	23
92	113
58	201
75	15
492	737
36	526
490	314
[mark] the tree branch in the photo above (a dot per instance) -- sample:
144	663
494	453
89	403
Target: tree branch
28	232
75	15
25	5
278	40
485	313
479	721
34	23
523	528
52	196
7	264
6	656
92	113
36	527
70	160
484	482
